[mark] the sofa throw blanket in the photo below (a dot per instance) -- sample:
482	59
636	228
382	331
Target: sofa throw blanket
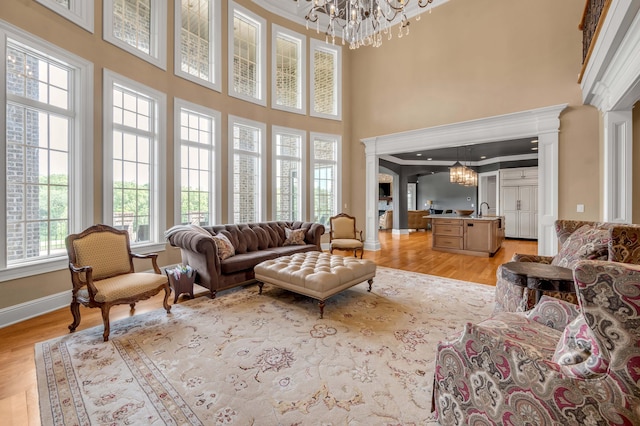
177	228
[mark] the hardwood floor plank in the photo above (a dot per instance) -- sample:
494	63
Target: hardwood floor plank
412	252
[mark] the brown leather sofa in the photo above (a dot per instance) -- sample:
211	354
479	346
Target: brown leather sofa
253	243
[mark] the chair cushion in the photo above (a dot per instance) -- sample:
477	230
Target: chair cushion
294	237
125	286
346	243
587	242
105	252
225	248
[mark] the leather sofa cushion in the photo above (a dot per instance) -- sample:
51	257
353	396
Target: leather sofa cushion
288	250
244	261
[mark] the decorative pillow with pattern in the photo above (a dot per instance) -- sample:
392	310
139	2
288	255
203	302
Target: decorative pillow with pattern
294	237
579	351
225	248
587	242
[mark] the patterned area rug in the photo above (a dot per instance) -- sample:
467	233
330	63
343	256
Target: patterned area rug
250	359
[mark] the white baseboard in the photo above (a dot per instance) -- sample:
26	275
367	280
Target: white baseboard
400	232
34	308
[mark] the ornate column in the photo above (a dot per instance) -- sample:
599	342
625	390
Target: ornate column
371	204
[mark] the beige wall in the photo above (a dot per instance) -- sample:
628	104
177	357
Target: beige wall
40	21
475	59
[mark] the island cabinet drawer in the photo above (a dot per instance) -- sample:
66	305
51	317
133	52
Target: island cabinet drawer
442	229
456	222
444	241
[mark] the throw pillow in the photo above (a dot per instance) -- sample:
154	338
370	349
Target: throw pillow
225	248
294	237
574	346
578	350
587	242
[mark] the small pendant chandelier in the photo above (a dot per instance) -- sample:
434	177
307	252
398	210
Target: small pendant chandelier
461	174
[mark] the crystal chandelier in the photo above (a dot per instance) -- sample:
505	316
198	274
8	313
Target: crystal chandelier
360	22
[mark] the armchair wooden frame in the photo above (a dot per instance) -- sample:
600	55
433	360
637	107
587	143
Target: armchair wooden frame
84	286
347	238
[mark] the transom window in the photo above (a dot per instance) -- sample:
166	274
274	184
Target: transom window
289	174
326	80
80	12
198	134
326	180
247	162
139	27
198	41
247	71
289	72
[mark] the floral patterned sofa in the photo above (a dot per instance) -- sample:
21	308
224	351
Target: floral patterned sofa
558	364
579	240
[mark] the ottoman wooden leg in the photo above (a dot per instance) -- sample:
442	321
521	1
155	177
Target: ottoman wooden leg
321	306
370	283
260	284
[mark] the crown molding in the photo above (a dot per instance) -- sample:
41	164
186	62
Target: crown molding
501	127
611	80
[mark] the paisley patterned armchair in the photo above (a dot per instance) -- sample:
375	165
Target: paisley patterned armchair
595	241
556	364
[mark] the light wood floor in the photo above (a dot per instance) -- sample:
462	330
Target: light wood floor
18	391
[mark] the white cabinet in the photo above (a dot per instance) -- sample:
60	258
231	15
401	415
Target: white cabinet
519	202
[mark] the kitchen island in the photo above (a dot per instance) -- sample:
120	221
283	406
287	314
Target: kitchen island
476	236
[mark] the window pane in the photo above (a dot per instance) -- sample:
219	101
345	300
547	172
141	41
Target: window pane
324	82
246	174
196	166
195	39
131	163
35	78
246	184
132	23
287	72
37	155
288	173
245	57
324	179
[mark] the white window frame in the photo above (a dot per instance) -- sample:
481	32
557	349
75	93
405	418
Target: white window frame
262	54
338	164
337	52
262	202
215	35
157	198
158	43
278	130
80	12
276	31
215	201
81	153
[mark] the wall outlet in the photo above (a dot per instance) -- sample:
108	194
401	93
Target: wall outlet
580	208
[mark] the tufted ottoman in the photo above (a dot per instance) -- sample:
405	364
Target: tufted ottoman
315	274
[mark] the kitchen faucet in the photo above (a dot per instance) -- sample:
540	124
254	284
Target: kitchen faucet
480	208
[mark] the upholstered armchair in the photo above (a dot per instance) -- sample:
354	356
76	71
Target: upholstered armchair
595	241
558	364
102	273
343	235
